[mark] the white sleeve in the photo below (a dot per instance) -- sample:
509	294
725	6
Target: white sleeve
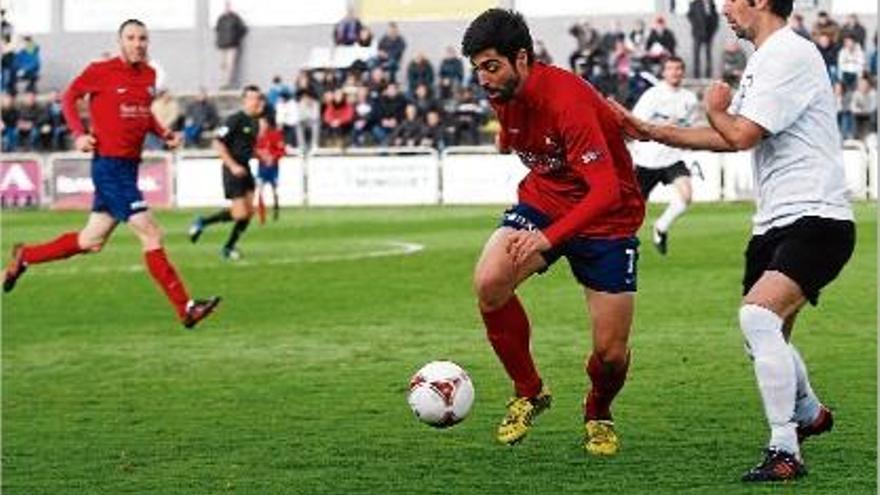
644	108
779	93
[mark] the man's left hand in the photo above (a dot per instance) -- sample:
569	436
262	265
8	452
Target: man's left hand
522	244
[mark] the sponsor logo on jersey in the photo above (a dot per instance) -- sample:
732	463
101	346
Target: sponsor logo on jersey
591	156
134	111
541	163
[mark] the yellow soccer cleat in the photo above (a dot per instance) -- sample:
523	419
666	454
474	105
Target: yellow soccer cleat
521	412
600	437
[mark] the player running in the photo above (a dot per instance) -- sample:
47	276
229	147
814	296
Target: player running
119	92
580	200
665	103
803	231
235	144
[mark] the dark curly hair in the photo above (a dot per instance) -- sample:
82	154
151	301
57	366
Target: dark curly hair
504	30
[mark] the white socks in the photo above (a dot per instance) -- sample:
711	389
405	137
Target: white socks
676	207
775	371
806	406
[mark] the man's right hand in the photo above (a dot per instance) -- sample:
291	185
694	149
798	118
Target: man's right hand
85	143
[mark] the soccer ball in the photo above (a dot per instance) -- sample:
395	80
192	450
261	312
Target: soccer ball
441	394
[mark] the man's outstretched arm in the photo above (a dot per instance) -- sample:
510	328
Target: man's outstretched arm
727	132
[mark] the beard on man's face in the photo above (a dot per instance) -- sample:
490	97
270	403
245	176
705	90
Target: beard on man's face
505	92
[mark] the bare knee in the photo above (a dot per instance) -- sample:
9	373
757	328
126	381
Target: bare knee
612	353
151	237
241	211
492	290
685	190
91	243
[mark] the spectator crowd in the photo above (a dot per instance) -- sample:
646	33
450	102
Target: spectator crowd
852	69
380	101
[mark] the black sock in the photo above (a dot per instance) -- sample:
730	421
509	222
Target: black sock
223	215
237	229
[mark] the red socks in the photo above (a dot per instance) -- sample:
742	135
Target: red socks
508	331
165	275
65	246
607	381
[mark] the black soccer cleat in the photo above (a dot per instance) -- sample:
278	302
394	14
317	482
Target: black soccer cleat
15	269
777	465
196	229
199	309
822	424
660	240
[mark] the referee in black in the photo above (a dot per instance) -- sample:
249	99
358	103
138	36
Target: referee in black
235	142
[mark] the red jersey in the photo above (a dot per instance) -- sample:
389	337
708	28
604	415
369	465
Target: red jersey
270	143
581	172
120	95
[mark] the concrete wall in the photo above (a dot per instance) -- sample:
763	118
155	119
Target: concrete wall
189	59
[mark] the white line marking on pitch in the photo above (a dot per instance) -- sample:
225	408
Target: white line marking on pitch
395	248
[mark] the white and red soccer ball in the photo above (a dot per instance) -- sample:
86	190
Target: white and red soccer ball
441	394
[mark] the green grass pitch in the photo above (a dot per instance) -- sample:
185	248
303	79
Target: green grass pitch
297	384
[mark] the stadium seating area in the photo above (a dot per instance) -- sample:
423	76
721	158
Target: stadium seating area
389	184
373	99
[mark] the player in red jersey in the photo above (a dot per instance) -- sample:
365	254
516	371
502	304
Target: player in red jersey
119	92
269	150
580	200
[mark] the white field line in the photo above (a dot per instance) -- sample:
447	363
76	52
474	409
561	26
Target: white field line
384	249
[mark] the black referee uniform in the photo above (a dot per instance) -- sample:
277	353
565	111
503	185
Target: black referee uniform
239	134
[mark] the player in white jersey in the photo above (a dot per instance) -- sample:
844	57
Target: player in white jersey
665	103
803	231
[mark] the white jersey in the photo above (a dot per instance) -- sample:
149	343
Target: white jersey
798	165
663	104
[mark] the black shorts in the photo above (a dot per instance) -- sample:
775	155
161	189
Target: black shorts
237	187
811	251
650	177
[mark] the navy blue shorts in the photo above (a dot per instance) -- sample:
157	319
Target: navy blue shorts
605	265
116	190
268	174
